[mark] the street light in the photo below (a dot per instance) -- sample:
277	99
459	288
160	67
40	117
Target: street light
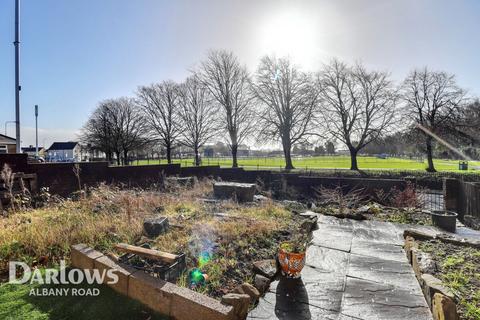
36	130
7	122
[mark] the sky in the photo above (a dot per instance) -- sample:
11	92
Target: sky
76	53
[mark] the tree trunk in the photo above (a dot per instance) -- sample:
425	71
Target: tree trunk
197	157
431	167
234	155
125	157
118	157
353	159
288	156
169	153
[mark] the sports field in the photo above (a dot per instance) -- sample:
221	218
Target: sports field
327	162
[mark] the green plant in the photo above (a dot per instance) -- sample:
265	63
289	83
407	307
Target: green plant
296	244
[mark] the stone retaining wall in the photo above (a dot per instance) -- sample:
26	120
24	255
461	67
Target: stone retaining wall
439	298
163	297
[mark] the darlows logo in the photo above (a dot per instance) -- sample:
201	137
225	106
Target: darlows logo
60	276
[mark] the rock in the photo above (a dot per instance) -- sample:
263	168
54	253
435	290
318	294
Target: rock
294	206
243	192
310	222
260	198
251	291
267	268
431	285
261	283
422	263
153	227
239	302
444	308
408	246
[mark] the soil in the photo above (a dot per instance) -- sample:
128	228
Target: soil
459	269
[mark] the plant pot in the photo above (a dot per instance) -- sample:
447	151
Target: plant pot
446	220
291	263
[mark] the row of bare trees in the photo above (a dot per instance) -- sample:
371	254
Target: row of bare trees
278	103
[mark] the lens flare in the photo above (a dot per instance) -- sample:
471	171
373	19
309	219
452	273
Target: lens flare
203	259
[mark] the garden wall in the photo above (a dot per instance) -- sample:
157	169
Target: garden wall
60	178
462	197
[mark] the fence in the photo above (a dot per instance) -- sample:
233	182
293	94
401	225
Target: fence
462	197
432	199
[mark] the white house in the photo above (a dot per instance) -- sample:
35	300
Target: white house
64	152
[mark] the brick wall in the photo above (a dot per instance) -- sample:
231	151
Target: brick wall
59	177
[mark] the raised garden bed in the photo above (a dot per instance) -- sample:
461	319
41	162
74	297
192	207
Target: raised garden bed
448	272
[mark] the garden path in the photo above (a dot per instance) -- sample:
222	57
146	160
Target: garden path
354	270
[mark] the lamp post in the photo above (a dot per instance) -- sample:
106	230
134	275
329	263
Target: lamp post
36	130
17	75
7	122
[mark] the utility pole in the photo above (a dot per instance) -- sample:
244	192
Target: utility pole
36	130
17	75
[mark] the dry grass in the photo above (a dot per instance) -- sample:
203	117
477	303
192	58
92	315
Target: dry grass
109	215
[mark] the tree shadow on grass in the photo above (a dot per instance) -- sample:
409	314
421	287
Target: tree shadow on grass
17	302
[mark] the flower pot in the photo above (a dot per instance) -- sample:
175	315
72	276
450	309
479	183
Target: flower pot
291	263
446	220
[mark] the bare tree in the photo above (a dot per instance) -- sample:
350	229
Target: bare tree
98	133
228	83
160	105
432	100
289	101
359	105
115	127
198	115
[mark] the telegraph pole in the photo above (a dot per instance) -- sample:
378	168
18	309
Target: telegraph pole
17	75
36	130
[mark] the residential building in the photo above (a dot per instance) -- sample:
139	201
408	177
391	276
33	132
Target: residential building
32	151
7	144
64	152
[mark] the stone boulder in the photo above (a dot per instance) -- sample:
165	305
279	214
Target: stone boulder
239	302
261	283
266	268
242	192
153	227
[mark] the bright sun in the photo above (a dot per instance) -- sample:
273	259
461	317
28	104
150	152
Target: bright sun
290	33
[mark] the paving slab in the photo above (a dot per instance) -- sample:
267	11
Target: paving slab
327	259
387	251
399	274
273	307
355	270
376	301
316	287
385	235
333	236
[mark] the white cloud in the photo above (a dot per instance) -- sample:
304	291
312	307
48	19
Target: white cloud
46	136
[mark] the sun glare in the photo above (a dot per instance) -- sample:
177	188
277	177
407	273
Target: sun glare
291	33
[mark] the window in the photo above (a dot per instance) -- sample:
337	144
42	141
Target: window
3	149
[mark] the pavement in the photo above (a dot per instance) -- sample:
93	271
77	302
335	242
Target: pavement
354	270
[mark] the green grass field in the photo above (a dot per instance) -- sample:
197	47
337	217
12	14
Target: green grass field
327	162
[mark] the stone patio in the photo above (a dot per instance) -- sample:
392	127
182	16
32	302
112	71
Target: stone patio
354	270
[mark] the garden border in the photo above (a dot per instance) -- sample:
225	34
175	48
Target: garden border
163	297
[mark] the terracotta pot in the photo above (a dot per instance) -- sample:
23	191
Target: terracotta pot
291	263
